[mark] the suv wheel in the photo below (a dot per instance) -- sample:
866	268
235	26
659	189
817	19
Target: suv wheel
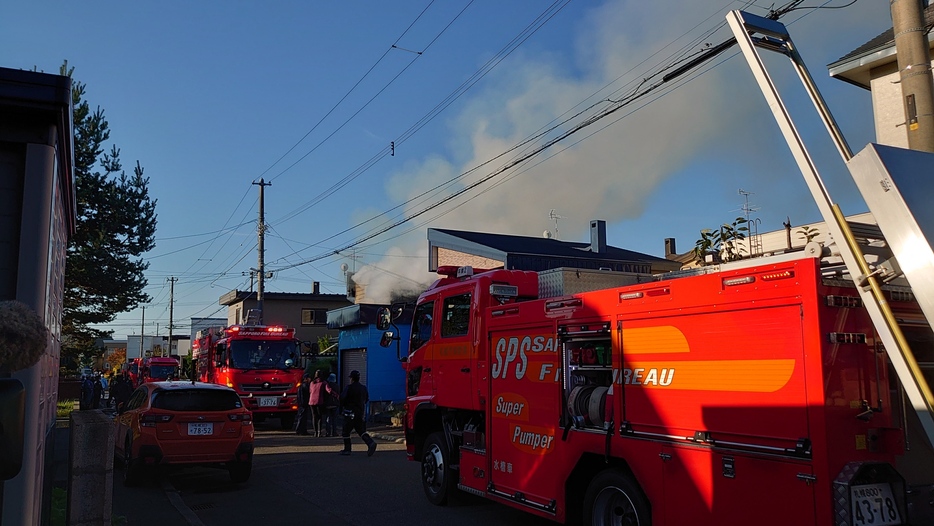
131	467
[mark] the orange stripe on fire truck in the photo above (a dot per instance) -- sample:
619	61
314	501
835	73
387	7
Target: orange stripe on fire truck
654	340
749	376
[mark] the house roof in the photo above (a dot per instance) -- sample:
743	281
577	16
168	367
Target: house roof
501	246
237	296
855	66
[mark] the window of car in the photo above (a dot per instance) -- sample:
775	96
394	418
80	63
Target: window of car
196	400
456	316
137	398
421	326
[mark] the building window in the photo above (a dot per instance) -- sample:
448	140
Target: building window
314	316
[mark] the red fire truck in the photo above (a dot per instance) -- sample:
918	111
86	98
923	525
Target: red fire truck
132	370
770	391
157	369
262	363
757	395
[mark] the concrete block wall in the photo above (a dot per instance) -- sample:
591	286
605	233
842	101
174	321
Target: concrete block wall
90	482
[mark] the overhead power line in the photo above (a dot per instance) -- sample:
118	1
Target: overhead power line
615	106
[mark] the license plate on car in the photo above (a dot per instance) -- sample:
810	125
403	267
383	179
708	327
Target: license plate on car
200	428
874	504
268	401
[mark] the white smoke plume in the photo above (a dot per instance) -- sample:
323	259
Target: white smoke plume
612	174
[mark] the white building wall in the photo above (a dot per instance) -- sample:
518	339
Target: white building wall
888	108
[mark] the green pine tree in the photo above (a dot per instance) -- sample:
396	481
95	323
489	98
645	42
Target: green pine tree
104	270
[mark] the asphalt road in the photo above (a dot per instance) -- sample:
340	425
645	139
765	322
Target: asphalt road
302	480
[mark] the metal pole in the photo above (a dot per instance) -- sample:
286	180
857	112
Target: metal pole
172	281
914	68
142	332
260	231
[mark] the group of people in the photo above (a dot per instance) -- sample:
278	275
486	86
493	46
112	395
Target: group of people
92	391
320	399
94	386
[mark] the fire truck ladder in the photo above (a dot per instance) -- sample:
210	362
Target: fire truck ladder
890	179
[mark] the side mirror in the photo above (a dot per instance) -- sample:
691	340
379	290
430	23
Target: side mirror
386	339
289	363
383	319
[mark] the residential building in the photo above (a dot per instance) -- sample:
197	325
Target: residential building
486	251
305	312
874	66
37	217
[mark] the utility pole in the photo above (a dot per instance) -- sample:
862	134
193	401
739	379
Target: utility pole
142	332
172	281
914	67
260	233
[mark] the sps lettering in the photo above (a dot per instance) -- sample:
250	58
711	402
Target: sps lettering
514	352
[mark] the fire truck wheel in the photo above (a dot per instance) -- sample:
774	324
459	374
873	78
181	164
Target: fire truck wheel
437	477
131	468
613	497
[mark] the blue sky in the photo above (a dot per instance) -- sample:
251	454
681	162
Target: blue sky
211	96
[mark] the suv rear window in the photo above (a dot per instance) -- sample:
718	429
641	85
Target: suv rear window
196	400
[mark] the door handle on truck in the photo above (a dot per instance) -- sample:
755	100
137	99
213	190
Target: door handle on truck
427	369
465	369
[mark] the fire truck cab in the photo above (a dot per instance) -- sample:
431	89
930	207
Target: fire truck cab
131	368
157	369
262	363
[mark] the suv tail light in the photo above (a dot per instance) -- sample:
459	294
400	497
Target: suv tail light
150	419
246	418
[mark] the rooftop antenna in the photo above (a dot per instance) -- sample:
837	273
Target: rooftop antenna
753	240
746	208
556	217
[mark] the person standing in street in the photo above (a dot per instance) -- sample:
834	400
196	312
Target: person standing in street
318	401
105	386
304	396
97	391
353	405
330	407
120	391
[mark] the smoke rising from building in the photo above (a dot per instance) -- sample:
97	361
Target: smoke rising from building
610	170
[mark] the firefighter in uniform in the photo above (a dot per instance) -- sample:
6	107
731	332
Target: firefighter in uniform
353	404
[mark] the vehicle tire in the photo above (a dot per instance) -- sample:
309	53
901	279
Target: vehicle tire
240	471
613	497
287	422
438	479
132	471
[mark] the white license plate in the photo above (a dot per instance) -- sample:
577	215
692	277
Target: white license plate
874	504
199	428
268	401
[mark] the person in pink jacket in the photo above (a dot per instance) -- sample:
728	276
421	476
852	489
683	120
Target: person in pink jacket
320	392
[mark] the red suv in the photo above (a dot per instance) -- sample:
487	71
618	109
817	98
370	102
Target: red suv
184	423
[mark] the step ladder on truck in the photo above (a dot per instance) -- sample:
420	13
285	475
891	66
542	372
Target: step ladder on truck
896	185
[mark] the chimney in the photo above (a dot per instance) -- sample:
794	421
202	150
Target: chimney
315	287
598	236
670	249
